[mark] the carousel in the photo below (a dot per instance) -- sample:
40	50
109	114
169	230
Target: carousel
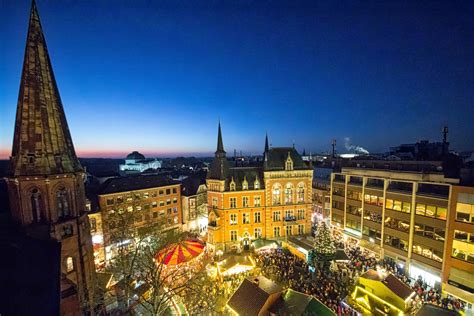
185	252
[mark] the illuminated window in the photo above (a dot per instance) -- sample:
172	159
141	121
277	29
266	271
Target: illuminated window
257	232
257	217
246	218
69	264
232	185
256	185
245	201
276	194
389	204
289	230
430	210
300	229
233	219
300	193
146	195
289	193
256	201
233	235
289	163
276	231
93	222
154	204
233	202
245	185
276	216
301	214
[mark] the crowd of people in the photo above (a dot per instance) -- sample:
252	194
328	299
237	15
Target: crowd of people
331	286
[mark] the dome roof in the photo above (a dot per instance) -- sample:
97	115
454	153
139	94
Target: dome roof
135	155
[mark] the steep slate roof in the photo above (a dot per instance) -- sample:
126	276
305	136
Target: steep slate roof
42	142
123	184
219	168
191	184
250	297
276	159
248	173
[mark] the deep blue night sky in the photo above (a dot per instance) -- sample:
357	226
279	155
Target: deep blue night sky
157	76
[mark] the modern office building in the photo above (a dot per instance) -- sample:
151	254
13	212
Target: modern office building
409	212
271	199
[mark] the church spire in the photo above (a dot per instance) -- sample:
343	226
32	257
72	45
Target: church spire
266	142
42	143
220	144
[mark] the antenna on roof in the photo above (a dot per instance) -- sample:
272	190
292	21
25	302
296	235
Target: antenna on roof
333	148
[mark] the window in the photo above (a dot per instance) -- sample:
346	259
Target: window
69	264
162	203
420	209
174	190
300	229
257	232
300	193
110	202
276	194
256	185
276	216
289	230
137	196
245	201
289	193
233	219
62	202
154	204
276	231
246	218
168	191
289	215
256	201
301	214
161	192
406	207
257	217
245	185
289	163
214	202
233	235
146	195
36	204
389	204
233	202
67	231
168	201
232	185
93	222
430	210
465	212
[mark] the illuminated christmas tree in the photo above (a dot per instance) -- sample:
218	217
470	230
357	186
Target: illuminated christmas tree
324	248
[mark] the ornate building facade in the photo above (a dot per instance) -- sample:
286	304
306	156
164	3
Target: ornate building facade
271	200
46	184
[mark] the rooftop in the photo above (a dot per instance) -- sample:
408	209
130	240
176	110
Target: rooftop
132	183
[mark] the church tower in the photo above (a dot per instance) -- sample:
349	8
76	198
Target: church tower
46	183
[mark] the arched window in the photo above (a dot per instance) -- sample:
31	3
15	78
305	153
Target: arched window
69	264
289	193
276	194
300	192
35	199
63	203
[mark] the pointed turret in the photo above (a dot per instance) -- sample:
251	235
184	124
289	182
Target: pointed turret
266	142
219	166
220	144
42	143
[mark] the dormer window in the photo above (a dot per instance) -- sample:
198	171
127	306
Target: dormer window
245	184
289	163
256	184
232	185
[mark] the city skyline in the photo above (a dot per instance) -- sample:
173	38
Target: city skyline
250	69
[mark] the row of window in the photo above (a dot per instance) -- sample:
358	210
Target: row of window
400	206
245	218
245	185
62	204
372	233
288	193
431	211
396	242
245	201
138	196
397	224
430	232
464	236
276	232
289	215
142	218
428	252
354	195
373	199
